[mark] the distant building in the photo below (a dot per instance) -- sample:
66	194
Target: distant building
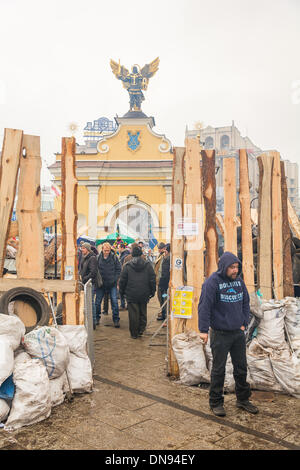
96	130
227	141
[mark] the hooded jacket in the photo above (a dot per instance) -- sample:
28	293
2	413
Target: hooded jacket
88	268
137	281
224	304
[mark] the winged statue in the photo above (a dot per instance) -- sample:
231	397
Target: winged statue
136	80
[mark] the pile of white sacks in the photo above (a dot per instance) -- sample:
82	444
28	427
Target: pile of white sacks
273	354
46	363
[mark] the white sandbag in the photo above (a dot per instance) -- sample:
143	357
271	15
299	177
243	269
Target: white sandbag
80	374
286	367
260	368
292	321
57	390
13	328
4	410
229	383
255	305
76	337
49	345
31	402
6	358
189	351
270	331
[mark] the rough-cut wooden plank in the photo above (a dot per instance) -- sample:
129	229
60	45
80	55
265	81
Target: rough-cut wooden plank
254	216
244	197
69	228
41	285
288	284
209	196
195	211
293	220
176	325
264	246
277	257
229	183
220	223
48	219
30	255
9	166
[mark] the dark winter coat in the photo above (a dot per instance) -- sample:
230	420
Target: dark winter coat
88	268
224	304
137	281
123	256
110	269
165	274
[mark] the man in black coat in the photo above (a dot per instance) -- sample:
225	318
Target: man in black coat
164	280
123	253
138	283
110	269
88	270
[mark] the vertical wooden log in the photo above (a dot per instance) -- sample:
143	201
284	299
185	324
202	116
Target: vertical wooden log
69	229
220	223
293	219
247	247
176	325
277	257
9	166
288	283
229	182
194	244
30	256
264	255
209	196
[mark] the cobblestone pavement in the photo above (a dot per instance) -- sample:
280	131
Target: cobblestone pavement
135	406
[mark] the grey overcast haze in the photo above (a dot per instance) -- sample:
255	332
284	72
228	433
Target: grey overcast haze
219	61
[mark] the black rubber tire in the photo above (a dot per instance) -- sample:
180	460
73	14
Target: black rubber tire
31	296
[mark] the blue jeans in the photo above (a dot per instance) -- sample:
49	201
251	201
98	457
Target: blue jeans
100	291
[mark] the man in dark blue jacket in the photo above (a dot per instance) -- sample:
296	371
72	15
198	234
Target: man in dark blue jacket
224	307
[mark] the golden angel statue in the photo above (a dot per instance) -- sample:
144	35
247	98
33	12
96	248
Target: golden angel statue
136	81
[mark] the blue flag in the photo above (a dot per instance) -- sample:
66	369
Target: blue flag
152	240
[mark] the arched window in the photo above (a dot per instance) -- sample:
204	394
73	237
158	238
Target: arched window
209	143
224	142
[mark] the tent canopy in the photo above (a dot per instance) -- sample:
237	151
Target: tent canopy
111	238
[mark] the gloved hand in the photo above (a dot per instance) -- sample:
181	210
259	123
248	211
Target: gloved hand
164	296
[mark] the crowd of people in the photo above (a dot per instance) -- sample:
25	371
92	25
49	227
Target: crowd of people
129	274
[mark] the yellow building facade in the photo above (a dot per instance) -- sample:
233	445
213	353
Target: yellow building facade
124	181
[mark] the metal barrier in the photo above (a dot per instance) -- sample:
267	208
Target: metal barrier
88	319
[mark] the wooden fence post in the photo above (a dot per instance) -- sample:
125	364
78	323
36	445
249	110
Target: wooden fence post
69	217
277	257
288	283
229	183
209	196
247	247
176	325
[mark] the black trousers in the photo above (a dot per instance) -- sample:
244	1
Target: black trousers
137	318
222	343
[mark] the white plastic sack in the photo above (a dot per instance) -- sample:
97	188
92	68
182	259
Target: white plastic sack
76	337
189	351
4	410
6	358
31	402
57	387
80	374
270	331
286	367
260	368
292	320
49	345
229	383
13	328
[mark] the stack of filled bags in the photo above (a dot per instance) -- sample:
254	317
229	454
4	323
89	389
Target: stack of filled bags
44	365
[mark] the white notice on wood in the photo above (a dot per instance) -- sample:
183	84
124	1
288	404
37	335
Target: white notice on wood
187	226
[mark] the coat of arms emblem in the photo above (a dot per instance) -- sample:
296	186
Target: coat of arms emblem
133	141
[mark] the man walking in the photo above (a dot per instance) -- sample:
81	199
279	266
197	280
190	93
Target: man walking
137	282
224	307
123	253
88	270
164	280
157	270
110	269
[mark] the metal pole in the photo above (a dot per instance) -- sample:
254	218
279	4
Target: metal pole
88	319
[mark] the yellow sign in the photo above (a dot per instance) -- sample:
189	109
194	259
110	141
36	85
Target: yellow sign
182	302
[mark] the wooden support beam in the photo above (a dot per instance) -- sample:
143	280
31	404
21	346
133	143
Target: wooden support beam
176	325
41	285
48	219
264	246
220	223
229	183
288	283
195	211
244	197
277	257
30	255
293	220
209	196
9	166
69	229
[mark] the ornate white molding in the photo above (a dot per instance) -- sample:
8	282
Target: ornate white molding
165	144
126	203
